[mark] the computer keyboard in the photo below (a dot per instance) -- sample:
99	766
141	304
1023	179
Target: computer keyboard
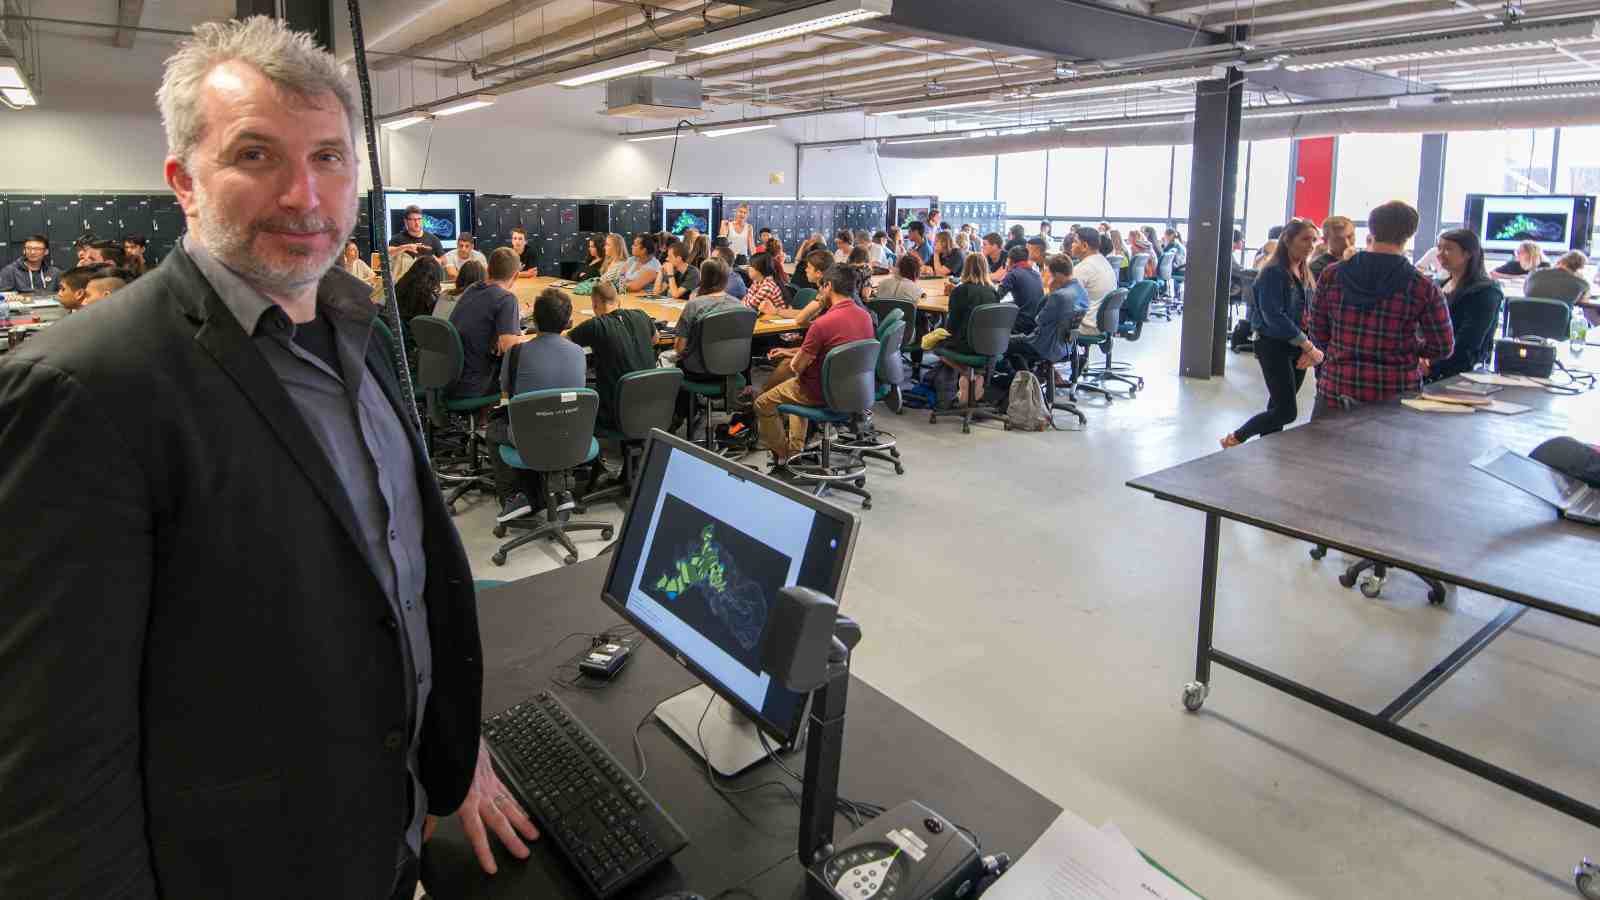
607	826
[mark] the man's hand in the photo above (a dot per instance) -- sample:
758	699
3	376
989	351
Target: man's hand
768	308
1310	358
777	353
490	807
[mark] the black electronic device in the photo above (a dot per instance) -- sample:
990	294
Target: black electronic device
908	853
678	211
593	809
445	213
1556	222
604	659
905	209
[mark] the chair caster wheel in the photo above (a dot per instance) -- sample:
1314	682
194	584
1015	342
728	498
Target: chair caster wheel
933	420
1319	552
861	482
498	559
605	534
1194	696
1347	580
499	531
1587	876
570	559
965	428
899	470
1371	587
1435	597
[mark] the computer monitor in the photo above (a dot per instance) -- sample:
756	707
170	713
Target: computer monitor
705	548
1556	222
676	212
446	214
903	210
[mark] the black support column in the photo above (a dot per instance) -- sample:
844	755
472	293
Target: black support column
315	16
1430	193
1212	187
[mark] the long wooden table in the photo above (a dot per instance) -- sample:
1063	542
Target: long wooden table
661	309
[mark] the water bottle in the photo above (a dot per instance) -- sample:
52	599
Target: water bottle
1580	335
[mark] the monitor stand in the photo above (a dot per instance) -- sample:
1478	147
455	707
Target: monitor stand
725	737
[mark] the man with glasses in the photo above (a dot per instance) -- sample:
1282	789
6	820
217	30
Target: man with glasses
31	274
414	240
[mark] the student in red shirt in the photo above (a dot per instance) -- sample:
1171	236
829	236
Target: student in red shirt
842	320
1378	320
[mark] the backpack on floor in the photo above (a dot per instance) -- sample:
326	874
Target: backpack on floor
946	383
1025	407
1241	340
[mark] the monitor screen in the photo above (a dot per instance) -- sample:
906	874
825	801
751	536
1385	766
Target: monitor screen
1557	223
445	214
706	546
911	209
677	213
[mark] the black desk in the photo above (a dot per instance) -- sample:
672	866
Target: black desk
1396	486
890	755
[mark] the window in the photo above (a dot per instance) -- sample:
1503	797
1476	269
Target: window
1137	182
1372	169
1496	162
1269	189
1182	162
1578	169
1021	177
1077	181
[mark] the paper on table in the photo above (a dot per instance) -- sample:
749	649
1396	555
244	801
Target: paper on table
780	321
1506	408
1073	861
1421	405
1505	380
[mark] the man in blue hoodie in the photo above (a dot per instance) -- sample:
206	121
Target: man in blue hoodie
1375	317
30	274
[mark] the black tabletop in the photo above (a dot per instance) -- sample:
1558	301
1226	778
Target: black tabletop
890	755
1397	485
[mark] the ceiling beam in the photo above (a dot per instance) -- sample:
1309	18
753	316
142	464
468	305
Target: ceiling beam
1053	29
596	30
1437	14
472	27
1258	14
129	12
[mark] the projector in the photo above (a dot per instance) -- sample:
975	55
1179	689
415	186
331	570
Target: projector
653	97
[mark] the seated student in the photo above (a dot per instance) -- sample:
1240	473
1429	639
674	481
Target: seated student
1474	300
640	270
858	261
843	320
712	298
104	282
350	260
133	247
417	290
620	341
764	296
1563	281
994	253
1023	286
29	273
1063	308
774	248
106	252
1375	317
973	291
464	253
594	251
487	318
764	235
699	250
1038	251
1016	237
471	273
526	255
879	252
73	285
903	284
1529	259
893	241
615	261
947	259
814	265
678	279
1094	272
737	288
917	242
540	361
843	243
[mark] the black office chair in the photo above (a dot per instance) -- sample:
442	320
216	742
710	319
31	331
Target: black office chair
551	431
1167	303
1045	371
908	311
989	333
1108	320
863	437
645	401
1131	317
455	443
724	341
849	388
1539	317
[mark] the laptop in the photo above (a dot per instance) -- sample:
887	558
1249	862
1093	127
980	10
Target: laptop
1571	498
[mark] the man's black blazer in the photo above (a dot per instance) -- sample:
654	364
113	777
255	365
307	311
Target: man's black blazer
201	685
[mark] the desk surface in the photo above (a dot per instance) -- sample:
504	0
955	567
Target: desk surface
527	289
934	299
1389	483
890	755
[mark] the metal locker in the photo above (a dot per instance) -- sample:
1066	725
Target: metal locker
567	217
166	221
133	211
62	254
549	218
571	245
549	252
63	218
100	217
25	216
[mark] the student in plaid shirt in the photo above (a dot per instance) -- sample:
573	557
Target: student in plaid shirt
1379	322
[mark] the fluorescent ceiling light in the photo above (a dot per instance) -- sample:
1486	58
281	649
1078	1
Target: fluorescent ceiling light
615	67
735	129
1110	124
1095	85
403	121
917	106
474	101
19	96
653	137
1494	40
1311	109
11	74
766	29
1570	90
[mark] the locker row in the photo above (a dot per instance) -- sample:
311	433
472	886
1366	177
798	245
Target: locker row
63	218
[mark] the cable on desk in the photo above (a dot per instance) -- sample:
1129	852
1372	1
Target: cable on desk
638	748
711	775
740	887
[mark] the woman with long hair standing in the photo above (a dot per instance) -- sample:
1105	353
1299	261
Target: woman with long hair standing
1474	300
1282	349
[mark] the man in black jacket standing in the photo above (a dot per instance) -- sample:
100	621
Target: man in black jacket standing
240	650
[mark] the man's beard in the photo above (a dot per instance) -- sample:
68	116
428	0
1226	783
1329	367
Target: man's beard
233	244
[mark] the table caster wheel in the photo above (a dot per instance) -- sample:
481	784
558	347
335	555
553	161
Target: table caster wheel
899	469
1436	596
1347	580
866	504
1319	552
571	558
861	482
499	531
498	559
1371	586
933	420
966	428
1194	696
605	534
1587	876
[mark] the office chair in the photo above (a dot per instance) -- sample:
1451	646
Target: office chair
443	307
1167	303
1130	326
1538	317
863	438
908	311
1371	583
1137	267
1119	265
724	341
849	388
1108	321
1045	371
802	296
645	401
989	333
551	431
450	422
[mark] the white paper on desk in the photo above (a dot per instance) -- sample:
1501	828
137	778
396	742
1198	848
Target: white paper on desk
1505	380
1074	861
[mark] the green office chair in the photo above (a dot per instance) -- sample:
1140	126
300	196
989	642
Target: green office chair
913	334
802	296
724	339
863	437
455	443
1130	327
1045	371
1107	322
644	402
989	333
849	388
551	431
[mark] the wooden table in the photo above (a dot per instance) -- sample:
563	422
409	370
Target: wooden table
1386	483
934	299
660	309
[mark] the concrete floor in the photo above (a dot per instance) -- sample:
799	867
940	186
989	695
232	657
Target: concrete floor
1053	630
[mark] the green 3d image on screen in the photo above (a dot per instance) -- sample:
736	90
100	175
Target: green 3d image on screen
714	577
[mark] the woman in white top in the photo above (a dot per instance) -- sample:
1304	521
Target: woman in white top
740	233
351	261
